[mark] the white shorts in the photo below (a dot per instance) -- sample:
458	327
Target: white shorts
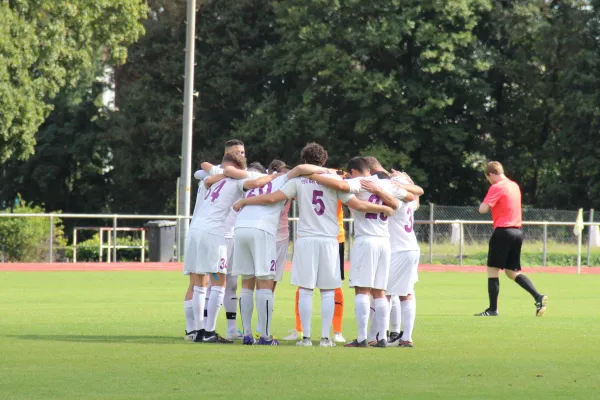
370	262
282	254
316	263
206	253
254	253
403	273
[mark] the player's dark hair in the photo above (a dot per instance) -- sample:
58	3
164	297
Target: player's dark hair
314	154
277	166
233	142
235	159
382	175
258	167
358	164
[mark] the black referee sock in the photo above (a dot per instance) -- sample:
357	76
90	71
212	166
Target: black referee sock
493	291
526	284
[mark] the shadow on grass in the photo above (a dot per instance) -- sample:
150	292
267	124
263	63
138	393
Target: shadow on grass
102	339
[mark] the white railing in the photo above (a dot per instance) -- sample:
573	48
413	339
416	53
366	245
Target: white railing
116	217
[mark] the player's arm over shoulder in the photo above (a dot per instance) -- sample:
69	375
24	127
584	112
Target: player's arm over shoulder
367	207
331	181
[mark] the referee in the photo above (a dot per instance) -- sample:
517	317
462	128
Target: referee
504	200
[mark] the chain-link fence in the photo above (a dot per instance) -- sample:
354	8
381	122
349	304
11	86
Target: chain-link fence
446	234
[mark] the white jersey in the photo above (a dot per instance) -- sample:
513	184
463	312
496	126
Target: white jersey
215	214
264	217
201	191
402	234
317	206
283	231
371	224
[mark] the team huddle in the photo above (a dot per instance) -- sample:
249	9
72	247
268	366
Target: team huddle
240	228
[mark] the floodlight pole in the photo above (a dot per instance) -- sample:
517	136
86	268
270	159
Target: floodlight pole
188	116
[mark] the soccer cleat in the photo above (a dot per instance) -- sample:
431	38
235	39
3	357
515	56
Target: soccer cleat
237	335
394	337
214	337
338	338
190	336
199	336
372	342
248	340
294	335
380	343
487	313
540	305
326	342
305	342
405	343
356	343
268	342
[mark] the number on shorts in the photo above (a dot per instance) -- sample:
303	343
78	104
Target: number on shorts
215	193
272	266
409	228
375	199
222	264
318	202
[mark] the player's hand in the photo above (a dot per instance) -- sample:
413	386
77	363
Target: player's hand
369	186
402	175
389	211
239	205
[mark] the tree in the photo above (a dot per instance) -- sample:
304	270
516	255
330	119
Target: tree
45	46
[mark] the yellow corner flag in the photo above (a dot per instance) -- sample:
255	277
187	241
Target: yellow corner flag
578	228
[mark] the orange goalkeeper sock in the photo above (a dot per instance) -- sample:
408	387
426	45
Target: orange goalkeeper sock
338	313
298	322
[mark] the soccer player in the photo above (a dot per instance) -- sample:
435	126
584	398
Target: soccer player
370	255
233	146
404	260
316	256
338	313
210	245
504	200
255	254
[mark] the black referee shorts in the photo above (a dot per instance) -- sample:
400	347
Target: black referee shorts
342	260
505	249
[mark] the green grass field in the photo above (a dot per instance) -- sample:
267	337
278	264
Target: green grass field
118	335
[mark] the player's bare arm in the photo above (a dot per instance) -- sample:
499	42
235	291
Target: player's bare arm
211	180
366	207
206	166
235	173
386	197
262	200
484	208
332	183
306	169
411	188
259	182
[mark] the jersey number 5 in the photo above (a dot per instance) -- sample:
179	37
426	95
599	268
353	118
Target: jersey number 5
318	202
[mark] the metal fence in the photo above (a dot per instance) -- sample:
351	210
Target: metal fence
446	234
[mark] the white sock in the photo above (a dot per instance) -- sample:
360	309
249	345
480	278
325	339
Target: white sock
408	319
198	302
327	309
382	316
246	308
264	306
305	305
395	314
215	301
361	310
230	302
373	329
206	297
190	325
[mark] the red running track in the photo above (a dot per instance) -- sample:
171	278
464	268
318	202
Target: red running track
136	266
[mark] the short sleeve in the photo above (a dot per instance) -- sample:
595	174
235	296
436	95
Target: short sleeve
280	180
200	175
493	195
397	191
354	185
345	197
240	184
289	189
215	170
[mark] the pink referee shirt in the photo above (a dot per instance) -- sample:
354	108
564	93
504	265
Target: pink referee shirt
504	198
